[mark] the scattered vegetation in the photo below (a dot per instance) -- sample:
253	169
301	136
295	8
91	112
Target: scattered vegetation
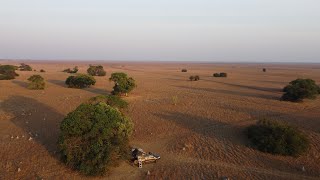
174	100
8	72
222	74
264	70
184	70
25	67
94	137
74	70
80	81
36	82
277	138
114	101
300	89
123	83
96	70
41	70
194	78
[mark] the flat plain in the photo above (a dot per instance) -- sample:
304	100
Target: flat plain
197	127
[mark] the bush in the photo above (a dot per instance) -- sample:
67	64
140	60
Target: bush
36	82
300	89
7	72
96	70
114	101
264	70
41	70
277	138
75	70
194	78
25	67
80	81
184	70
94	137
123	83
220	74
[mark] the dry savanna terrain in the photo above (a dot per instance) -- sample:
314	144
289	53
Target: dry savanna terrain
196	126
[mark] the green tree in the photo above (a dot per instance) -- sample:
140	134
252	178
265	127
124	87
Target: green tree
36	82
25	67
123	83
75	70
277	138
96	70
300	89
94	137
7	72
80	81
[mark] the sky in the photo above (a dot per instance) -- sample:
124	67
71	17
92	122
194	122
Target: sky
163	30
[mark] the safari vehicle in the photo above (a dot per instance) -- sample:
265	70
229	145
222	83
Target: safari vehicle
139	157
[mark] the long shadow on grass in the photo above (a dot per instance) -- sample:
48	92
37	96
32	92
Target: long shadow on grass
90	89
38	120
237	93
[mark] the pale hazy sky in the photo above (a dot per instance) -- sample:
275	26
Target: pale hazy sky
177	30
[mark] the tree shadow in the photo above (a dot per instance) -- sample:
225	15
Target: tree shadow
21	83
267	89
90	89
236	93
39	121
207	127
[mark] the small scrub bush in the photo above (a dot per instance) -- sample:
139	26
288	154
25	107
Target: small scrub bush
114	101
8	72
25	67
277	138
123	83
96	70
194	78
36	82
80	81
264	70
184	70
74	70
300	89
94	137
41	70
216	75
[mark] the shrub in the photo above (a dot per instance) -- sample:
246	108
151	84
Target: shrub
216	75
184	70
75	70
123	83
25	67
36	82
114	101
223	74
300	89
80	81
277	138
96	70
41	70
264	70
7	72
94	137
194	78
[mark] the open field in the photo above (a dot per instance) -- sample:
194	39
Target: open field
201	137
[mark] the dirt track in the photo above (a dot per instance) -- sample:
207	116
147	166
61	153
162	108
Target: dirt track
201	137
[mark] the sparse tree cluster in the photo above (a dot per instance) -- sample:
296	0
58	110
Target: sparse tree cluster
74	70
8	72
25	67
277	138
96	70
222	74
36	82
80	81
122	83
94	137
194	78
300	89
